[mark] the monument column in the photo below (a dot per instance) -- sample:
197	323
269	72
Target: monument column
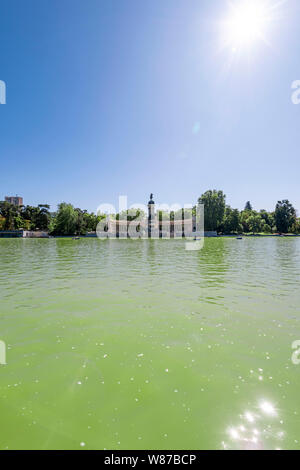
151	217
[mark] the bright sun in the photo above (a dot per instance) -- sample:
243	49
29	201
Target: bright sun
247	23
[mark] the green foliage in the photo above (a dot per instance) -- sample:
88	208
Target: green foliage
66	221
232	221
285	216
268	218
255	223
2	222
91	221
39	216
296	227
214	209
131	214
25	217
244	220
266	228
71	221
8	212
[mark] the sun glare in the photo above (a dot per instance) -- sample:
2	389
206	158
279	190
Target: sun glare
247	23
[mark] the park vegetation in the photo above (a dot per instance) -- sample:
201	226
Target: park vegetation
219	217
226	220
66	221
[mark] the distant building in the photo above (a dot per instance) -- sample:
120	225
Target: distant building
15	200
153	226
23	234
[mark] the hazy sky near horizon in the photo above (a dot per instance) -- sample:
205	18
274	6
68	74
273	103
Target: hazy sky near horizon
128	97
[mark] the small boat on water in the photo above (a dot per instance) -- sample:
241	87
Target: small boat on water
75	238
239	238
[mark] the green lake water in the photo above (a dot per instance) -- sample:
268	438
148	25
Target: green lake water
143	345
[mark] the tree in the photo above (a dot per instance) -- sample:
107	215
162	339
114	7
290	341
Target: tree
285	216
296	227
232	222
266	228
2	222
91	221
66	220
29	213
81	226
214	209
252	222
43	217
248	206
18	222
244	220
9	212
268	218
36	218
255	223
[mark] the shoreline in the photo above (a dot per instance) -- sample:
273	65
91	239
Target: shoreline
13	235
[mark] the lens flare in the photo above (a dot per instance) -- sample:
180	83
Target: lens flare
249	417
267	408
249	22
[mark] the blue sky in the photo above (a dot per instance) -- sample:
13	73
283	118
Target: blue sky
110	97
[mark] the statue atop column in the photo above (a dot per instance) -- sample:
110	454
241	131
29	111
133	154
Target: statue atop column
151	217
151	199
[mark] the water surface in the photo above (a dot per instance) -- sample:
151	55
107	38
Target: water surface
127	344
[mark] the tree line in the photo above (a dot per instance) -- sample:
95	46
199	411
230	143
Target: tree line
224	219
66	221
219	216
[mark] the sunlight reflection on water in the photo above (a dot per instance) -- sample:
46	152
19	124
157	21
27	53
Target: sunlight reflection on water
153	346
256	429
